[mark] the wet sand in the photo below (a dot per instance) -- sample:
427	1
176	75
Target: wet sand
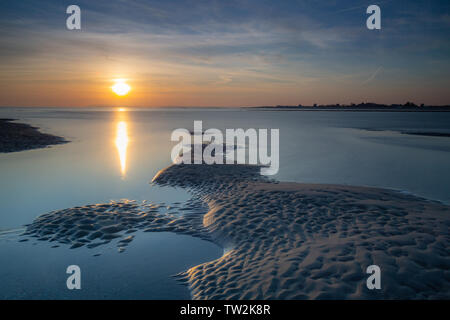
306	241
281	240
19	136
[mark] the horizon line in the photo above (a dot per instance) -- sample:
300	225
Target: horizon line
352	105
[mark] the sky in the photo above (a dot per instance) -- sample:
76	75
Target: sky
223	53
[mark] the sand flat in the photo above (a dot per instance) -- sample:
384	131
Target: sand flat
19	136
309	241
281	240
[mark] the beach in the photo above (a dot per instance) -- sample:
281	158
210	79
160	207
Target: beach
227	157
221	231
280	240
303	241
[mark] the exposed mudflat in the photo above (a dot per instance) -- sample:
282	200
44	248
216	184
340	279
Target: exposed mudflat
281	240
19	136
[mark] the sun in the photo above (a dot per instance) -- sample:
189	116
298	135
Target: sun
120	87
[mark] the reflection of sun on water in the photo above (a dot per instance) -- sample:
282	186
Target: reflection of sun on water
122	144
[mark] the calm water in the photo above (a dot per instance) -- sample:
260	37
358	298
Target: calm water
114	154
143	271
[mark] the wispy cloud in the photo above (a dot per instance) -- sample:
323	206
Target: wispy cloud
290	45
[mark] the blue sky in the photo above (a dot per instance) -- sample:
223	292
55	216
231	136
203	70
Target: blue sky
224	53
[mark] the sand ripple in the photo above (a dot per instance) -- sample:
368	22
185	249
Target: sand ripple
303	241
98	224
282	240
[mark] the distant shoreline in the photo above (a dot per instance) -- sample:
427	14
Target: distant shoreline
16	137
363	107
336	107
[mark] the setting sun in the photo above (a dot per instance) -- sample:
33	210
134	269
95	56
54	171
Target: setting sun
120	87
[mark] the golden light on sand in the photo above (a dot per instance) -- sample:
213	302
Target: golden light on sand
120	87
122	144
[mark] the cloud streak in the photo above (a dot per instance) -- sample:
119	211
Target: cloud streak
297	47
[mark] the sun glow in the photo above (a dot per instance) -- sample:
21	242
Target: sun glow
120	87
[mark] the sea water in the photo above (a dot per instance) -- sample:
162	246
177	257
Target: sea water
114	153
